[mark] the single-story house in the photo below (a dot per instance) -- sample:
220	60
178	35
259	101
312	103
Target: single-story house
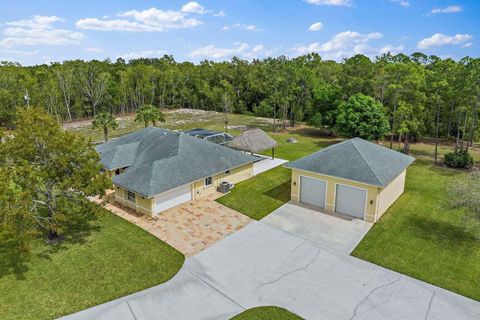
355	178
155	169
253	141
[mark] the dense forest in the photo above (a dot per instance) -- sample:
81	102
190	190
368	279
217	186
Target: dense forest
421	95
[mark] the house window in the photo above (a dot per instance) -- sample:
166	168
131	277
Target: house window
131	196
208	182
117	172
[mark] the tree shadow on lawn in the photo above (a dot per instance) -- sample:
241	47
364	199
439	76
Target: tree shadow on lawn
441	232
280	192
77	232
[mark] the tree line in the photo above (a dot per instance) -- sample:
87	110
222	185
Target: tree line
421	95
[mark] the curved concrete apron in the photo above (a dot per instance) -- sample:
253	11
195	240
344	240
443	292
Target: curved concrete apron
263	264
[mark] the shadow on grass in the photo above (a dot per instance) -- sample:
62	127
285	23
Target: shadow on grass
439	231
76	232
280	192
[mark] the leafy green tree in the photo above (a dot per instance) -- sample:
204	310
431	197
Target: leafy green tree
149	114
51	173
316	121
105	121
361	116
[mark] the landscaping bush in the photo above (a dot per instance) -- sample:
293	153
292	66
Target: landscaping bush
459	159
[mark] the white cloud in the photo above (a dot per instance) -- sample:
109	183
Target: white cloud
439	39
248	27
149	20
142	54
403	3
317	26
242	50
220	13
449	9
94	50
347	3
345	44
36	31
467	45
193	7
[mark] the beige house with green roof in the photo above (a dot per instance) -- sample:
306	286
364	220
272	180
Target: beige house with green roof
155	169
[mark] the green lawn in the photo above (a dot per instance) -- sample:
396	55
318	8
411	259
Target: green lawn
421	237
259	196
107	259
267	313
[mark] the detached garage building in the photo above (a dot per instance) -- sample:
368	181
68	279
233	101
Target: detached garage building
155	169
355	178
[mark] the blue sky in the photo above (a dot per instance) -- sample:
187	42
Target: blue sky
36	31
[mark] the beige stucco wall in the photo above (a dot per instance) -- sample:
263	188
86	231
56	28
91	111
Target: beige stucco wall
372	191
378	199
142	204
146	205
391	193
235	176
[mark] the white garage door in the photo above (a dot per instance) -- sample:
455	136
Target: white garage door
173	198
350	201
312	191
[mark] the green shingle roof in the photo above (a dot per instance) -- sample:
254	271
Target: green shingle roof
357	160
159	160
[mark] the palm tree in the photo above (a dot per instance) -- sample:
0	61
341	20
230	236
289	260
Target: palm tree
148	113
105	121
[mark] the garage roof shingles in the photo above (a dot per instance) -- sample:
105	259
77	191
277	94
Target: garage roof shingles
159	160
357	160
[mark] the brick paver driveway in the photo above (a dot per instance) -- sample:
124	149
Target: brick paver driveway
190	227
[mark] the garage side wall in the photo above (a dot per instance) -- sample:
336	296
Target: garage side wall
372	191
234	176
141	204
391	193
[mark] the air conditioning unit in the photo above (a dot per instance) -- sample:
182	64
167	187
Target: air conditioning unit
224	187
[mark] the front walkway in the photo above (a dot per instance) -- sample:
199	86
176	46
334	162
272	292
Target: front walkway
190	227
266	164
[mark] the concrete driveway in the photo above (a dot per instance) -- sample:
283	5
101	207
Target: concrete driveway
336	232
264	265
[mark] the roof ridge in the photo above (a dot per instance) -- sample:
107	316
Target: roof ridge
366	161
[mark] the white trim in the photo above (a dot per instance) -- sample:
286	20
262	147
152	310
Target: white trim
300	186
340	178
349	186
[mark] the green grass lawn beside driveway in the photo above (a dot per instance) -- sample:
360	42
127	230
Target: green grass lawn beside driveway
422	237
108	259
267	313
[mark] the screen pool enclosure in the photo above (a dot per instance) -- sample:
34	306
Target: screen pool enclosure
211	136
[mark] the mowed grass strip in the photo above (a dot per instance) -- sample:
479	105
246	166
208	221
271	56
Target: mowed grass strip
114	259
422	237
267	313
260	195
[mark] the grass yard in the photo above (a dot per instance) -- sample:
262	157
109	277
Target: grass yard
421	237
259	196
267	313
109	259
177	120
